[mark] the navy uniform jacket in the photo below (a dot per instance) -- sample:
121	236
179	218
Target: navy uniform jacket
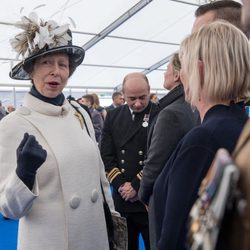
176	188
123	149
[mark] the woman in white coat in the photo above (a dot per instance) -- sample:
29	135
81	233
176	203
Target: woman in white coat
51	170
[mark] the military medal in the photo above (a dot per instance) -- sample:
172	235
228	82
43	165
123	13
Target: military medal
145	120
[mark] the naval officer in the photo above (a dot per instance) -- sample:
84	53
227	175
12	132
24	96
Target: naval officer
123	149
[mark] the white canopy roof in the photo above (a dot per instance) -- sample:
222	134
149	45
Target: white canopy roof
119	36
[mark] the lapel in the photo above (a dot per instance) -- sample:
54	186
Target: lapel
135	125
174	94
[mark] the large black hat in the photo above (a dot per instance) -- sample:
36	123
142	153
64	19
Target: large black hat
40	38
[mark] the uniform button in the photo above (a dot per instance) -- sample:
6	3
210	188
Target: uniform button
141	163
122	161
94	195
75	201
123	170
123	151
24	111
140	152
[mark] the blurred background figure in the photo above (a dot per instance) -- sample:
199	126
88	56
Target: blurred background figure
153	98
2	111
97	119
97	106
10	108
118	100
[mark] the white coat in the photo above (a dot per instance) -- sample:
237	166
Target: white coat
64	211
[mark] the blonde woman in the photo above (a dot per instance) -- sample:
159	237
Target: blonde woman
175	119
216	76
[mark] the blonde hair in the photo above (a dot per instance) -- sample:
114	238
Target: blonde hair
96	103
225	54
175	61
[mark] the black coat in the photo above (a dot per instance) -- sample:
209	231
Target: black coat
123	149
110	108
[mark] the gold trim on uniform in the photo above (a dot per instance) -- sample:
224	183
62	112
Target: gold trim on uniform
139	176
113	173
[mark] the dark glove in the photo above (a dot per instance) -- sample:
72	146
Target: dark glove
30	156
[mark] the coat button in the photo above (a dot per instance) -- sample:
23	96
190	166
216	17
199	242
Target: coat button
123	151
94	195
140	152
123	170
141	163
75	201
122	161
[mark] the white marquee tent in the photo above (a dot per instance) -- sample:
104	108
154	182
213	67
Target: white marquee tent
119	36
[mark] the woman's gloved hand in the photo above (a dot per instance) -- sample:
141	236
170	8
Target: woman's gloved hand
30	156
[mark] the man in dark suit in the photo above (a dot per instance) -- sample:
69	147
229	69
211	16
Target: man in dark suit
174	120
123	148
118	100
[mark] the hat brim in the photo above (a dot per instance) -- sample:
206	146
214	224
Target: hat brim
76	54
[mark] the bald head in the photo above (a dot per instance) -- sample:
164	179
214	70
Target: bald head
135	77
136	91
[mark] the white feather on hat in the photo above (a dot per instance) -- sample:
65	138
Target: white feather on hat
39	38
37	34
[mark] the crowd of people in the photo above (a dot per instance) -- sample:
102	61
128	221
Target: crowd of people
154	153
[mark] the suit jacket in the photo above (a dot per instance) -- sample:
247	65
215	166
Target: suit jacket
110	107
174	120
123	148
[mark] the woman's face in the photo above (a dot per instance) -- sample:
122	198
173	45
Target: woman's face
171	78
50	74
